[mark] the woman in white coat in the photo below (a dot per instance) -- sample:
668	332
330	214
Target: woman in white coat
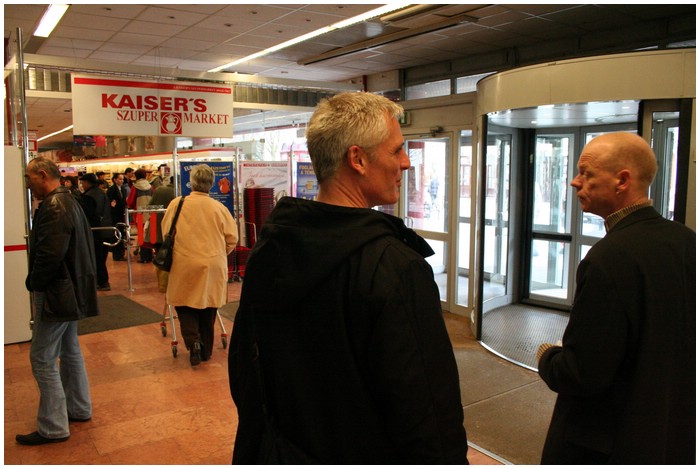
206	233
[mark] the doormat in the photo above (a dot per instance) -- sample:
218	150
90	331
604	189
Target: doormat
117	312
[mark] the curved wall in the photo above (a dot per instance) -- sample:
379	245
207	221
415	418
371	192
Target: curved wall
663	74
649	75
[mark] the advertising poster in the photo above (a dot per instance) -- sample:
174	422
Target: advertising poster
122	106
307	185
224	184
273	174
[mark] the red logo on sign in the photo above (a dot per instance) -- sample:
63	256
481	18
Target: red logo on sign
171	123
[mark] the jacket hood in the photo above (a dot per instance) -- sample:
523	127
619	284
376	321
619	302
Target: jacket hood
302	242
142	184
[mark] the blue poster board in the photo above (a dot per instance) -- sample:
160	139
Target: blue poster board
224	186
307	184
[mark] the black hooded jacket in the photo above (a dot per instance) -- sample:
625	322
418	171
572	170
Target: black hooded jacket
62	259
357	363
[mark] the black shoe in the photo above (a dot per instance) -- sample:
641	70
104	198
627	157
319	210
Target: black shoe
104	287
34	439
196	354
75	419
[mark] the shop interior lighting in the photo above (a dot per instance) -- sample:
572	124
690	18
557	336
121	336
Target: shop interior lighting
339	25
50	19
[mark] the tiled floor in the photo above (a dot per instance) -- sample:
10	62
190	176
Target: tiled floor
148	407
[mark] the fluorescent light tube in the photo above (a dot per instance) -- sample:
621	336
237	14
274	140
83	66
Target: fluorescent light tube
55	133
50	19
339	25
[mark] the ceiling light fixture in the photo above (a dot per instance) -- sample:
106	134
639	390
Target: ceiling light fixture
389	38
339	25
410	12
50	19
55	133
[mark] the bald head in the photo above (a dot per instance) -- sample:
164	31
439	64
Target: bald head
624	150
614	171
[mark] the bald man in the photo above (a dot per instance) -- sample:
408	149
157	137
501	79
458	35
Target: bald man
625	374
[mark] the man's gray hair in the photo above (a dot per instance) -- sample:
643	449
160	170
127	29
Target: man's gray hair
43	164
202	178
344	120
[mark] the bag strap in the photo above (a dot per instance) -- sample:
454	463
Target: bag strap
177	214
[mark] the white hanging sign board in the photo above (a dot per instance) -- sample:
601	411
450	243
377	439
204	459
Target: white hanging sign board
121	106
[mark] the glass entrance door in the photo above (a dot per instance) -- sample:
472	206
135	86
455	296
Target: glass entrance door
426	192
561	233
496	215
552	220
464	221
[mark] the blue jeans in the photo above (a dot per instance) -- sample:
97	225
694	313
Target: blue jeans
59	370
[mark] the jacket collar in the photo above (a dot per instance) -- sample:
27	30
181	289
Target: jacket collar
641	214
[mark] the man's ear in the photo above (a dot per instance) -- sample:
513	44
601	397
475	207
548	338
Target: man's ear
623	180
357	159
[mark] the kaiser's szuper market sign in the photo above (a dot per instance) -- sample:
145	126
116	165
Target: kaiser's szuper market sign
120	106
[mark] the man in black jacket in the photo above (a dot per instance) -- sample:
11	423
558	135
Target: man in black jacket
62	279
339	339
625	375
117	194
98	212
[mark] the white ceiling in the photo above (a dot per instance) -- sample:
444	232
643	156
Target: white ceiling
167	38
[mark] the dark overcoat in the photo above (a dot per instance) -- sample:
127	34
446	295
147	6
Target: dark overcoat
341	311
626	373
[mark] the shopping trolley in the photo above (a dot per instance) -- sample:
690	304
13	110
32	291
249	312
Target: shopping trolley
169	315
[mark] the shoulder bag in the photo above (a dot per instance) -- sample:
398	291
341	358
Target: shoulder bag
163	259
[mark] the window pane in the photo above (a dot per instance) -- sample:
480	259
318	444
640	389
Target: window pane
593	225
426	184
551	185
428	90
468	84
549	268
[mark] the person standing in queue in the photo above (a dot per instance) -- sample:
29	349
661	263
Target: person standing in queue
197	284
97	209
117	195
625	372
340	338
62	281
138	199
162	196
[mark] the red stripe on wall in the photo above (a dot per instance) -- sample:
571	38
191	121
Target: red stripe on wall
143	84
16	247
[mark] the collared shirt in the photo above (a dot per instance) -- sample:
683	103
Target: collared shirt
614	218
